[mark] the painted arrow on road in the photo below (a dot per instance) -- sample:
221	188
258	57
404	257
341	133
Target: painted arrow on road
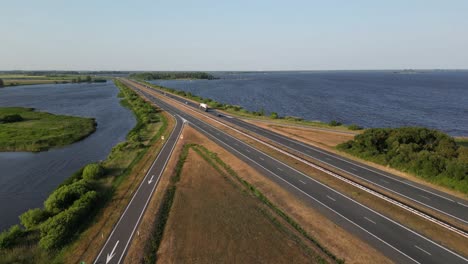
112	254
151	180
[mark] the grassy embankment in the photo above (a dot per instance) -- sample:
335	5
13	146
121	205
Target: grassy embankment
27	79
23	129
233	209
256	115
428	154
46	234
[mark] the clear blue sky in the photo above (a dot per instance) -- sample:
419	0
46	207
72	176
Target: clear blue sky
233	35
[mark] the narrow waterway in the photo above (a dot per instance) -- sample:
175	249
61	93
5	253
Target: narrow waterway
26	179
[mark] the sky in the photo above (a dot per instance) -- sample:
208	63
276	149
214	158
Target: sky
233	35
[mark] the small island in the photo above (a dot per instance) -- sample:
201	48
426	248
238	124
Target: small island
24	129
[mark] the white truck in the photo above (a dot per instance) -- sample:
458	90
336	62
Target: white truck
203	107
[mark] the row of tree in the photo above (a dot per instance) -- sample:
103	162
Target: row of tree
171	75
427	153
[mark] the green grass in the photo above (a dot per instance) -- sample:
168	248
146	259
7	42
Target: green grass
462	141
24	79
41	131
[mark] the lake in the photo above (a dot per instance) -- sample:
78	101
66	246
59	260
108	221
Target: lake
434	99
26	179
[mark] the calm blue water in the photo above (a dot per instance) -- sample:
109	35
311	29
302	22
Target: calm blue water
368	98
26	179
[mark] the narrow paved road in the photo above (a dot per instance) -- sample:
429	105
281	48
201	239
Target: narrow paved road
116	246
430	198
396	241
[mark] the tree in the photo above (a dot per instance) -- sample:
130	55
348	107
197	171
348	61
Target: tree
88	78
1	83
274	115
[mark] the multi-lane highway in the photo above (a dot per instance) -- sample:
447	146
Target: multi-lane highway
430	198
396	241
117	244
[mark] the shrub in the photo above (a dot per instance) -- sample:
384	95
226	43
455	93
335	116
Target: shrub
274	115
334	123
9	237
64	196
354	127
59	229
11	118
93	171
33	217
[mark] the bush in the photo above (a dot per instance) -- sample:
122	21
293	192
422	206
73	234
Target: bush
274	115
9	237
424	152
59	229
93	171
11	118
1	83
64	196
33	217
354	127
334	123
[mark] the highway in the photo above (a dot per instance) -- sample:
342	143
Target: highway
430	198
116	246
394	240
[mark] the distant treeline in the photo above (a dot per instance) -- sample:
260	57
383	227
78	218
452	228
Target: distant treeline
171	75
62	73
427	153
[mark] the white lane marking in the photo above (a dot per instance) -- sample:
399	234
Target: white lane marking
462	204
369	220
331	198
303	182
423	250
425	197
354	169
327	158
262	158
112	254
280	169
382	180
247	150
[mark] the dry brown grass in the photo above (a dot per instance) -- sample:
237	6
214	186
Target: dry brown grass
334	238
90	242
213	221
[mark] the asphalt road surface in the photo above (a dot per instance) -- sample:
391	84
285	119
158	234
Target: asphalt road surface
432	199
116	246
396	241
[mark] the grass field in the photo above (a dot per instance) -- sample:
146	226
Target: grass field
23	79
40	131
227	222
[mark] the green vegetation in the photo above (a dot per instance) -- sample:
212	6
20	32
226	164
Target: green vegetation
23	129
218	164
14	78
429	154
171	75
260	114
69	210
